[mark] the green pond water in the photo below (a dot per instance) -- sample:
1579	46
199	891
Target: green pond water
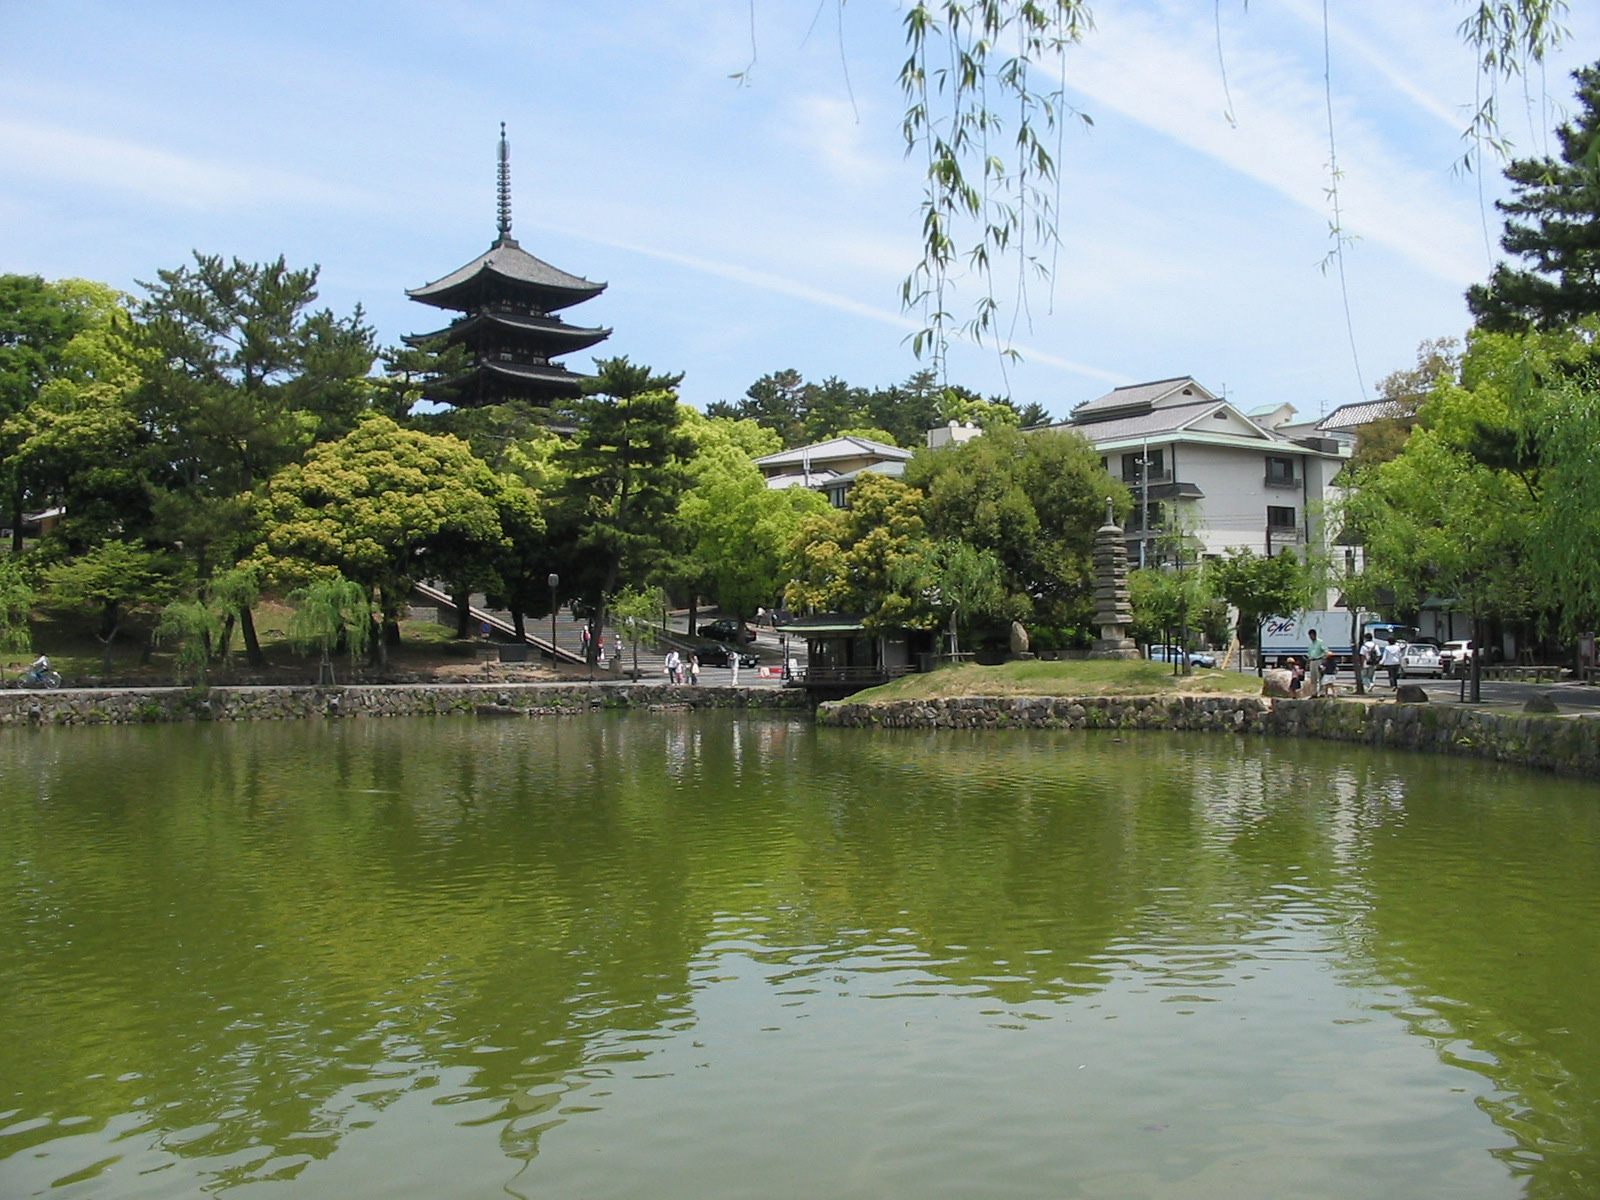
701	957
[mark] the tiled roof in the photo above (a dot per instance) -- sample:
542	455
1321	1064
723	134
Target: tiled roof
509	261
839	447
548	330
1158	421
1350	416
1135	394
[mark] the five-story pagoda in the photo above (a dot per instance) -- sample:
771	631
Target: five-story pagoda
508	299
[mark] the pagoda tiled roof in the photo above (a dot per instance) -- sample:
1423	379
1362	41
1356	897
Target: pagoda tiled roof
551	380
508	263
551	330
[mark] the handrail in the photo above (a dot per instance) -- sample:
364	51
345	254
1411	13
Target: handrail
498	624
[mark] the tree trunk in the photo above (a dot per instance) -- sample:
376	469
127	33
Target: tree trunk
463	599
252	644
517	624
108	639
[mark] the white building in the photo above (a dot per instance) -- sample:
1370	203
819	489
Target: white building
830	467
1197	464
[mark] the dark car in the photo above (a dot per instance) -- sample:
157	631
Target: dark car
726	630
715	654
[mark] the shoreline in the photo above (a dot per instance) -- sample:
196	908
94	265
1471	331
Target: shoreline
1567	745
1564	744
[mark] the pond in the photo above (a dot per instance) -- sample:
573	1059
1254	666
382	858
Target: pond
681	956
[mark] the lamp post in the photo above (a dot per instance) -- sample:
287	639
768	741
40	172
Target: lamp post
554	581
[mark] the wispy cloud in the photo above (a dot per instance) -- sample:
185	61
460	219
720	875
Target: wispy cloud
747	277
1153	73
87	160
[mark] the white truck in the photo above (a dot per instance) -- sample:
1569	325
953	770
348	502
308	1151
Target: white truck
1286	637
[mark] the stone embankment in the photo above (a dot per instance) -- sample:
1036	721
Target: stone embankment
124	706
1570	745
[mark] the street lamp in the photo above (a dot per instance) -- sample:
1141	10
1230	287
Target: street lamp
554	581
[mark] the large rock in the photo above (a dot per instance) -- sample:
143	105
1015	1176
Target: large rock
1019	638
1410	693
1540	702
1275	683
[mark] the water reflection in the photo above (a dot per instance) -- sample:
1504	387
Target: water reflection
288	953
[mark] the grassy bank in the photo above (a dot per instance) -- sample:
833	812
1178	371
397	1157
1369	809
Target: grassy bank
1112	677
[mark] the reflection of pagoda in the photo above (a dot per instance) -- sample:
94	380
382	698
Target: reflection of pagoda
507	298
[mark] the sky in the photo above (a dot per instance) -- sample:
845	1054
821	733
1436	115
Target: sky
734	171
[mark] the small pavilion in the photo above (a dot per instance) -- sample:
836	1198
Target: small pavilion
508	301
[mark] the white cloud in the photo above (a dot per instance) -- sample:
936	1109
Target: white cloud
1159	75
79	159
817	296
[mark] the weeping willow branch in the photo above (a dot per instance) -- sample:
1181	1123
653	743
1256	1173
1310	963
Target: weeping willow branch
977	115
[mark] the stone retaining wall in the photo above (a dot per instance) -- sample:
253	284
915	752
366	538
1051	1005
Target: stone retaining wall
121	706
1570	745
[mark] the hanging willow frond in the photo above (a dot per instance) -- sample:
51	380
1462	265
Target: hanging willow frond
977	113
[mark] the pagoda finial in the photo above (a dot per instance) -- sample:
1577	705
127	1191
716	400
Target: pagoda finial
505	185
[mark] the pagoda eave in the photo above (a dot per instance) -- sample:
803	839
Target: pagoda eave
494	382
539	330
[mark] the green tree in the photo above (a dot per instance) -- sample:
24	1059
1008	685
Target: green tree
636	611
735	529
383	506
17	596
38	321
240	377
78	443
612	521
117	579
329	613
1258	586
1553	224
864	560
1034	500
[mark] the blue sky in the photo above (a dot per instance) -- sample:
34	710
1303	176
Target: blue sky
748	226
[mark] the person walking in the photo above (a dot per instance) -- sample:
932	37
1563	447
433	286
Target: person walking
694	669
733	665
674	665
1389	659
1369	661
1316	654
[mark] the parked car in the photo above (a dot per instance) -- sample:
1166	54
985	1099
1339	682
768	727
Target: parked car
715	654
1197	658
1456	656
1421	658
726	630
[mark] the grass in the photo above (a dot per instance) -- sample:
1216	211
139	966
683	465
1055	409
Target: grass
1077	677
425	649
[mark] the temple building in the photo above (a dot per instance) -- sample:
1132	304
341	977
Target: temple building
508	299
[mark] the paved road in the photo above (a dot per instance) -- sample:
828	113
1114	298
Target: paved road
1505	693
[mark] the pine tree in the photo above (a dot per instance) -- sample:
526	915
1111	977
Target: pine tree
1553	224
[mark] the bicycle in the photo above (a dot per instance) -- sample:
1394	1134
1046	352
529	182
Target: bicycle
35	678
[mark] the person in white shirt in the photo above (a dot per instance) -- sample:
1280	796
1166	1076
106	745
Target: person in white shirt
1389	659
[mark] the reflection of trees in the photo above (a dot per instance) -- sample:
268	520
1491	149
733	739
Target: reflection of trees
272	931
1483	908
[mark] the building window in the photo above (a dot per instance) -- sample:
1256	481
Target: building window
1131	463
1280	518
1280	471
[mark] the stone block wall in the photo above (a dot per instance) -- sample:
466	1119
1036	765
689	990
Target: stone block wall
1570	745
122	706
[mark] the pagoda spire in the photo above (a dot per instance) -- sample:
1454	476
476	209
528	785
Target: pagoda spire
504	205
